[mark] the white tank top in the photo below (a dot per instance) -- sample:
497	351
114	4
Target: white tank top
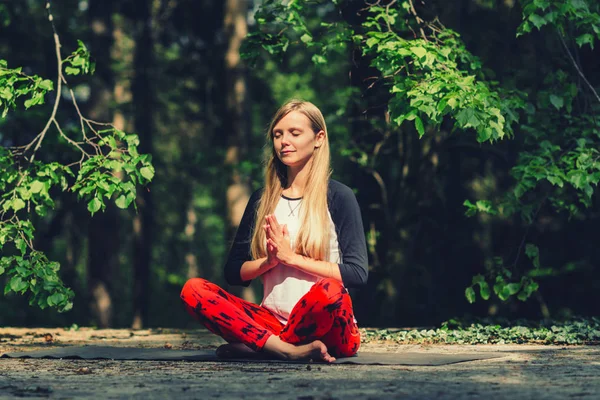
284	286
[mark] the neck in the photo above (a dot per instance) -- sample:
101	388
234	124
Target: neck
297	178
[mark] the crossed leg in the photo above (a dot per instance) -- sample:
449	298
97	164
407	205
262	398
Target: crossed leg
321	322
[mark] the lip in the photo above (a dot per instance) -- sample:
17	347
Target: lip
286	152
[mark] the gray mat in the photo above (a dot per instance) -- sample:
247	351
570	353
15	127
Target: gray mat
133	353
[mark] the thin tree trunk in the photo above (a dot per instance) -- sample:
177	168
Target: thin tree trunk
191	259
143	108
103	232
238	192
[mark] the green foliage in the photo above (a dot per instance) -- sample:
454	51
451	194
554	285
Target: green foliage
115	175
15	84
33	272
79	61
110	167
521	332
561	15
429	78
434	77
560	162
483	206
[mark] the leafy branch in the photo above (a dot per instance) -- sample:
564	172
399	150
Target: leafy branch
110	167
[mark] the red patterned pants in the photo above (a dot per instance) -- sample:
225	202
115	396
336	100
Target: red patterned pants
324	313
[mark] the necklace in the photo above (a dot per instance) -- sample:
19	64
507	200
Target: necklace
291	214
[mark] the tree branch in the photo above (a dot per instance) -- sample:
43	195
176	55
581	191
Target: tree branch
562	40
40	137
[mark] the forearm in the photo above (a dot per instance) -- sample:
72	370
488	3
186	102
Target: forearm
254	268
324	269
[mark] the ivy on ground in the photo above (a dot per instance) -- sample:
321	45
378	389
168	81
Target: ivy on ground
573	332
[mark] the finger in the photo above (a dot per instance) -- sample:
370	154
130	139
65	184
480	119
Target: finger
285	230
274	233
275	223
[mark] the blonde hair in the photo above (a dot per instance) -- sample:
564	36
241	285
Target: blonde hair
313	238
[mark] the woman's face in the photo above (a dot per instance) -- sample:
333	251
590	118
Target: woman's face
294	140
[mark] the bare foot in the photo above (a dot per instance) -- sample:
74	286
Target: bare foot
316	350
236	350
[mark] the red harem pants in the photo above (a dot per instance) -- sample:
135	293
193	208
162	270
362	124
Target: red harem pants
324	313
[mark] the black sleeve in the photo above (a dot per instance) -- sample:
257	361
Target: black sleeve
240	249
347	219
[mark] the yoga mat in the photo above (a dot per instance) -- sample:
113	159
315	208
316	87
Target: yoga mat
133	353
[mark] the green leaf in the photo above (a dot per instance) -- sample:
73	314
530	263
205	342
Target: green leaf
18	204
577	178
121	202
555	180
17	284
306	38
586	38
485	206
47	84
36	187
471	208
147	172
72	71
318	59
556	101
513	288
442	105
470	294
532	251
467	118
419	126
477	279
537	20
21	245
419	51
94	205
55	299
484	290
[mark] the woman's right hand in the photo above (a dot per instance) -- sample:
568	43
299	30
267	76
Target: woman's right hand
272	259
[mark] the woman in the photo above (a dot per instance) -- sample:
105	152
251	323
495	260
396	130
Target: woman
303	235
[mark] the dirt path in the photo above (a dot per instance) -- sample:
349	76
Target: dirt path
527	372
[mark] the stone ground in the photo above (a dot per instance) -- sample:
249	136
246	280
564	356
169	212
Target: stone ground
525	372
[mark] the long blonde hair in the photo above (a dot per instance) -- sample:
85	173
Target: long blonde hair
313	238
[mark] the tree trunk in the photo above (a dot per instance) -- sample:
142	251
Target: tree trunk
237	125
143	222
103	232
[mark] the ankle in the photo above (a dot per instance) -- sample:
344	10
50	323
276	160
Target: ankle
279	348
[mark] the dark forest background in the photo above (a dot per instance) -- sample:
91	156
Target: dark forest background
171	71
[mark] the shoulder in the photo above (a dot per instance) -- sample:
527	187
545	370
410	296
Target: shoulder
338	192
254	200
255	196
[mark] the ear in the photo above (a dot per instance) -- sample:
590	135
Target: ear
320	138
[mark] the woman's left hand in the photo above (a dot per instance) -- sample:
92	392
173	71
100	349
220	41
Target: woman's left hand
278	238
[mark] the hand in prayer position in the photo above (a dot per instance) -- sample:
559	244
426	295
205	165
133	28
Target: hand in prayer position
279	248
